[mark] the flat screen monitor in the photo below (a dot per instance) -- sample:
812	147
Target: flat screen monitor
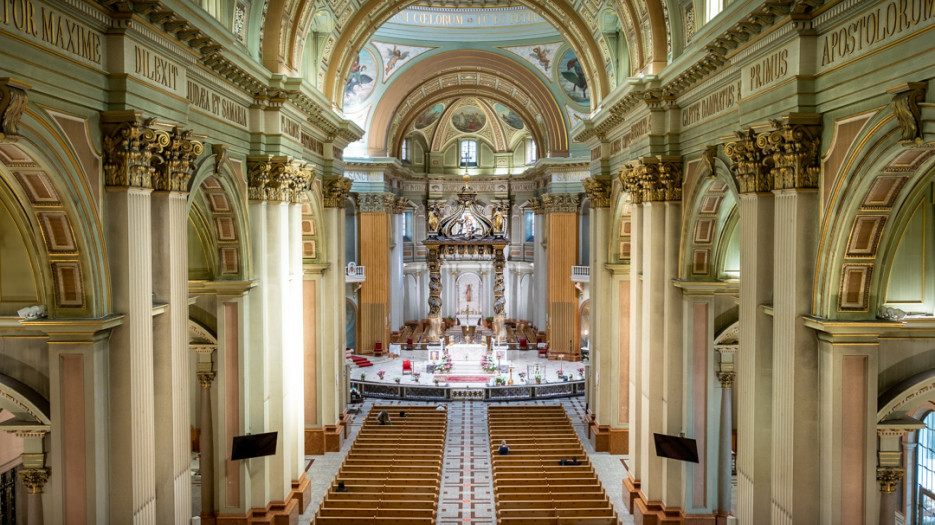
675	447
254	445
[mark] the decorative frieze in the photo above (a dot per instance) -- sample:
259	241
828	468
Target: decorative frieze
277	178
13	102
598	190
559	203
376	202
336	191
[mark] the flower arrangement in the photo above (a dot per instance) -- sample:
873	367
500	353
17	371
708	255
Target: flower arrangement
488	364
538	379
581	371
446	364
560	373
397	380
380	373
415	376
522	376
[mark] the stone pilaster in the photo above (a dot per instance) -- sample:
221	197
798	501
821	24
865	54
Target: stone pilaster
672	364
561	214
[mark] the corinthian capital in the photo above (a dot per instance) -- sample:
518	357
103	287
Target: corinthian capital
888	478
336	190
34	479
174	159
670	177
793	148
129	146
747	159
13	102
598	190
277	178
559	203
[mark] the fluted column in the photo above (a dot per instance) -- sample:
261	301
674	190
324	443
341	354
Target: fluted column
635	437
128	148
670	178
754	364
170	331
396	279
540	277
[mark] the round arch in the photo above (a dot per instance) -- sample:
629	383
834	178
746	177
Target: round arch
477	63
217	213
712	206
874	176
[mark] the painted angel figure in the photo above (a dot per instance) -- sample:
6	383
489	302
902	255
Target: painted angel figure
392	57
541	54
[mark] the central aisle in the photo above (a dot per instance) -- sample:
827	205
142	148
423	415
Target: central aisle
467	481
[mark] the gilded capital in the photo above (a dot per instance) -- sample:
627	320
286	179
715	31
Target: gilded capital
670	178
726	379
792	153
598	190
888	478
205	378
13	102
129	146
630	178
174	159
400	205
748	162
536	206
277	178
336	191
34	479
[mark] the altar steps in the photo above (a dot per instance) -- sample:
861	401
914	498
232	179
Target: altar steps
361	362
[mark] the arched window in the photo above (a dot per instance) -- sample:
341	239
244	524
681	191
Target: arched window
925	471
468	153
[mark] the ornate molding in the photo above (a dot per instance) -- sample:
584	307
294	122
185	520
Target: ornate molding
559	203
709	157
435	282
598	190
905	105
175	160
499	286
336	191
220	157
670	177
400	205
536	206
13	102
34	479
277	178
653	179
888	478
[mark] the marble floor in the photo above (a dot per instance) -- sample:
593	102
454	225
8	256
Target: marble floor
467	488
521	360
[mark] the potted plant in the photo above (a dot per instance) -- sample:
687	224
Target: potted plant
435	380
380	373
363	376
415	377
500	381
522	376
538	379
397	380
560	373
581	372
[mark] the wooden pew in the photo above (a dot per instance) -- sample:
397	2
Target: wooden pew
531	487
392	473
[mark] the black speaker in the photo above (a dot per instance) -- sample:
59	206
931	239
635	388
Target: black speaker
253	445
675	447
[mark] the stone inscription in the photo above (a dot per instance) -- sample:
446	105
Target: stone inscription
52	28
431	19
289	127
638	129
874	27
155	68
711	105
216	104
311	143
768	70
